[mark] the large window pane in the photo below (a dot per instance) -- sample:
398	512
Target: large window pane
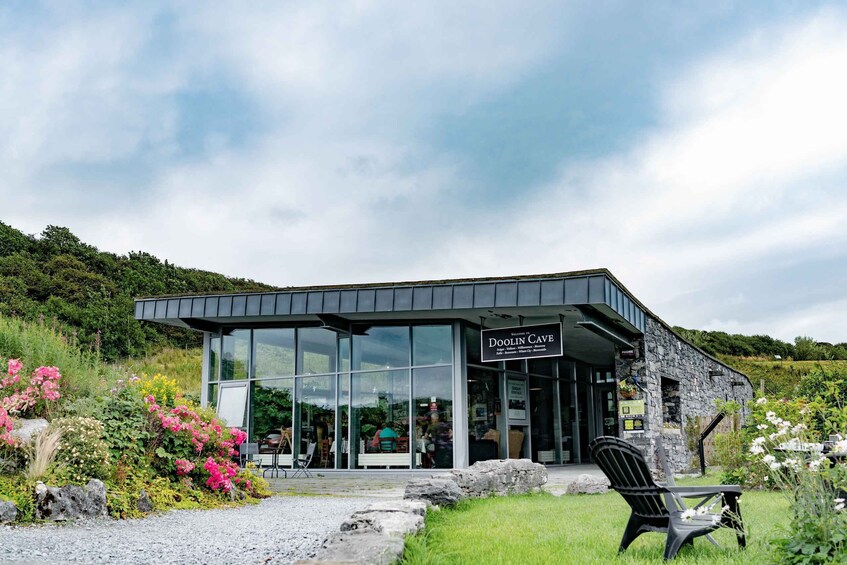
316	351
433	398
380	419
432	345
274	352
344	354
214	358
382	348
232	404
542	420
341	446
235	355
487	439
316	414
271	417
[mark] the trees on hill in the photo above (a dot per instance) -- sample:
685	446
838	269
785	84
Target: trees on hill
803	349
55	276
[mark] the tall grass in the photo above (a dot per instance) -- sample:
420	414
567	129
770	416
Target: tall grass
183	365
43	451
36	344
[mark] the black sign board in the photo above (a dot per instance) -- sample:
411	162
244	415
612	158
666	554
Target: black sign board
523	342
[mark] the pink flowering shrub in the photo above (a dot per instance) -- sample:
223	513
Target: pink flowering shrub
188	441
20	398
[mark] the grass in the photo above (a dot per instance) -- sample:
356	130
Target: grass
578	529
36	344
180	364
780	377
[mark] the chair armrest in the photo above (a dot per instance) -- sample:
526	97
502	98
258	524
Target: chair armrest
695	491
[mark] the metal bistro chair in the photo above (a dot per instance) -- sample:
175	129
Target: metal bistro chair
247	453
655	507
303	461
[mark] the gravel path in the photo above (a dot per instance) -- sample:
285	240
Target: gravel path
280	529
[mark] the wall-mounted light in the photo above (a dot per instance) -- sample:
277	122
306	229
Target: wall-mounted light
628	354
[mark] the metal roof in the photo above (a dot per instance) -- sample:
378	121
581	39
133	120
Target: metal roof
597	289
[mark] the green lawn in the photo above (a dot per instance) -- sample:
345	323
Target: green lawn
578	529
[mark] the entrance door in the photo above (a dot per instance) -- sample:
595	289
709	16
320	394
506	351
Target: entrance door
605	403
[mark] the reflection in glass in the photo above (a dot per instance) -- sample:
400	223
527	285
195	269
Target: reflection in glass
380	419
433	398
235	355
484	406
432	345
382	348
316	351
542	423
344	354
542	366
214	357
213	396
343	423
274	352
316	415
271	414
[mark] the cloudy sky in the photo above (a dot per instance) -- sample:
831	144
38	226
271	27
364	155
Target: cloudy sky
699	153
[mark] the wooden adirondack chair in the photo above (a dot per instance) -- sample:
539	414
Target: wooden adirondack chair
655	507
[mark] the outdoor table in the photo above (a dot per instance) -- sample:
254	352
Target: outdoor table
275	468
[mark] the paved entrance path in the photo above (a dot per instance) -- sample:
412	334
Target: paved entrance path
392	484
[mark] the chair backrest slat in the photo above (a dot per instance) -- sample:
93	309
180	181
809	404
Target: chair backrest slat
628	473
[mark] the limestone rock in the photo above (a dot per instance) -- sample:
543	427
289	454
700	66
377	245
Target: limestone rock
509	476
390	523
144	503
25	430
408	506
70	502
437	491
354	547
8	512
587	484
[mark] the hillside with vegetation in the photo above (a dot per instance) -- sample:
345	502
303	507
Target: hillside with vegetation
88	294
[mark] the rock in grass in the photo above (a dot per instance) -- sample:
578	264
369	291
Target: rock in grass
8	512
587	484
437	491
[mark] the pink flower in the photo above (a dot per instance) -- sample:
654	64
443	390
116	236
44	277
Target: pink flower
183	466
14	366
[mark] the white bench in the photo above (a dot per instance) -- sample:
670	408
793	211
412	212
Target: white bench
266	460
547	456
386	459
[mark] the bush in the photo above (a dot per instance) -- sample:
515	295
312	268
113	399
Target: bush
83	454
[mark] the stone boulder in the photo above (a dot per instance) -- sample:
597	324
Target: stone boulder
503	477
70	502
25	430
588	484
362	546
144	503
390	523
443	492
8	512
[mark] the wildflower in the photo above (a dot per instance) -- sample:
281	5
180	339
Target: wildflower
762	427
688	514
839	504
761	400
14	365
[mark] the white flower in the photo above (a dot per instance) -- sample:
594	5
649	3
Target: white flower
756	449
765	478
798	428
762	427
761	400
770	415
688	514
839	504
716	520
774	465
759	440
815	463
768	459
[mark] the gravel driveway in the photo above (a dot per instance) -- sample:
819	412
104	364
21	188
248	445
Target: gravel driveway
280	529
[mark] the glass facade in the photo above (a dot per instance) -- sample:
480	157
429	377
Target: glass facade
382	396
379	398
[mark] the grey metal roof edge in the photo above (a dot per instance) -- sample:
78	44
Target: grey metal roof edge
400	284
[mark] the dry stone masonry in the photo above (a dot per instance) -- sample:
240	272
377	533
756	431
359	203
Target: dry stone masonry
680	382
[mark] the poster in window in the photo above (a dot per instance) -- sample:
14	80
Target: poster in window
517	399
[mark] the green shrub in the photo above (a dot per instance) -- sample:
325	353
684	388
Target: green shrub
83	454
124	417
18	489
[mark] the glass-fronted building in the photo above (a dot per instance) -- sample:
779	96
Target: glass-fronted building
393	375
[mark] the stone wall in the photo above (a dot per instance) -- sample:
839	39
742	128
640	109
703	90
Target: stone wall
662	354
